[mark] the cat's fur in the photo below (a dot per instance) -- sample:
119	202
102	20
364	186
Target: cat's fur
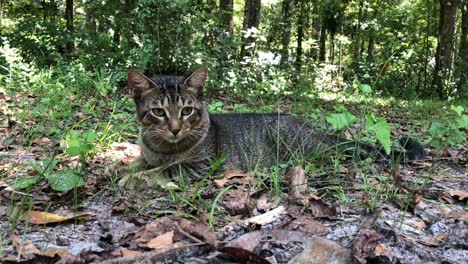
180	136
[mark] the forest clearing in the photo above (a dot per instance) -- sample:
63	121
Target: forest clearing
233	131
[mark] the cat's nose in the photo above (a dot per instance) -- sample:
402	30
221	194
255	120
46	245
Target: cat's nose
175	131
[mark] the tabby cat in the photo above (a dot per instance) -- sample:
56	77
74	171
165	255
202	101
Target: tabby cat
178	135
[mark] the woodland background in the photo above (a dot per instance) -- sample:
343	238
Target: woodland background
402	48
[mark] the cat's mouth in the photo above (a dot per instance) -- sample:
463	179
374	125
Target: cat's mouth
173	139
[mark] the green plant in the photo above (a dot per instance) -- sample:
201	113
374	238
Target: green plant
80	144
451	131
216	107
213	207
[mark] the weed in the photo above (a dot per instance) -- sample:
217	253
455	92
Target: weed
213	207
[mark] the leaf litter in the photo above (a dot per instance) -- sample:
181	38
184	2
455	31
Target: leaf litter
424	222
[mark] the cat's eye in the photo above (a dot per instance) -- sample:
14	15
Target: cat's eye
159	112
186	111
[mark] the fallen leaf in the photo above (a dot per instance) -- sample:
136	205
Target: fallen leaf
459	195
460	215
26	249
320	250
365	242
243	255
267	217
199	230
129	253
64	255
164	239
229	175
265	202
307	225
319	208
297	182
236	202
40	218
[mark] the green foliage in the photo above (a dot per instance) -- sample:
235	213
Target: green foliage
64	180
216	107
450	132
341	120
381	129
60	181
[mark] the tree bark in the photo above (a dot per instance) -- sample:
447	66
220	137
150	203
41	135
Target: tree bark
251	19
286	36
371	47
445	47
463	50
69	24
323	39
227	15
300	34
357	35
1	13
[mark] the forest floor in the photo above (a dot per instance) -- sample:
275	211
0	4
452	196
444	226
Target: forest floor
346	212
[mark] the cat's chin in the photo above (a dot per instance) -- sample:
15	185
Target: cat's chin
174	140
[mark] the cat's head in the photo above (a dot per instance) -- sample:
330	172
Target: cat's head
170	108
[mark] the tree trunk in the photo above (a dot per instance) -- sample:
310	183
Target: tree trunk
315	28
323	39
1	12
90	20
331	58
251	19
227	15
463	51
357	36
286	36
445	46
371	47
300	34
69	24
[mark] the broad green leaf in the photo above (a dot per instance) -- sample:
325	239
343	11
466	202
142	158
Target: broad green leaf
65	180
463	121
23	183
370	120
437	143
365	88
382	132
458	109
89	136
339	121
73	151
436	127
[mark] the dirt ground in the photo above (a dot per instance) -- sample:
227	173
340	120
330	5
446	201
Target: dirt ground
414	213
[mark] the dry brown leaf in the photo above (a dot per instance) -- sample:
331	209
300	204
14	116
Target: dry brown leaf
319	208
129	253
26	249
297	181
40	218
65	255
199	230
307	225
459	195
428	241
460	215
229	175
267	217
319	250
380	249
164	239
236	202
365	242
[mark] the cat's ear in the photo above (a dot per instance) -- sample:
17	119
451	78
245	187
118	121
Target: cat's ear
196	80
138	83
